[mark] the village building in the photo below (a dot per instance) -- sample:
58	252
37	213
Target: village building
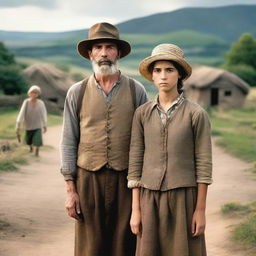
53	82
211	87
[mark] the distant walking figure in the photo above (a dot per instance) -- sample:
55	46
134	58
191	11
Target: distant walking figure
33	115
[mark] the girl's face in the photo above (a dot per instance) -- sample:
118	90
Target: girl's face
165	76
33	95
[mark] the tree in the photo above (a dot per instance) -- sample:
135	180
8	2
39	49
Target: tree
11	79
6	57
241	58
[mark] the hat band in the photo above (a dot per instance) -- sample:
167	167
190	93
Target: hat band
102	34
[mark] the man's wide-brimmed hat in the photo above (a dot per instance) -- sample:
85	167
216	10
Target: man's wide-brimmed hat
103	32
165	52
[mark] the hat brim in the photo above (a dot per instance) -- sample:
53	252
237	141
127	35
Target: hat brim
144	65
84	46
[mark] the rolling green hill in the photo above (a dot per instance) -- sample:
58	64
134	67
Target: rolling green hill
205	34
227	22
64	51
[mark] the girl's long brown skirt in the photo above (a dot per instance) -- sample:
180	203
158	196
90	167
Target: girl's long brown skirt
166	224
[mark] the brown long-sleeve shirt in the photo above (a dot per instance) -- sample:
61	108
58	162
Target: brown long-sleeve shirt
177	154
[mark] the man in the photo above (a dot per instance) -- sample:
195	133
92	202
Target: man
95	143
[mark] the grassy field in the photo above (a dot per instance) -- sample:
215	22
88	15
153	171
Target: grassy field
8	119
9	160
237	129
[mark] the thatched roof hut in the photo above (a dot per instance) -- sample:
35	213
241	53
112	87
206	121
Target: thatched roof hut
210	86
53	82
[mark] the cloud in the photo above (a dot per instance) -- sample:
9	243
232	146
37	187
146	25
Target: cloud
47	4
63	15
37	19
127	9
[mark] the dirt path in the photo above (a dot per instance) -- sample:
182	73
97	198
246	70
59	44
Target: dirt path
32	201
35	222
232	182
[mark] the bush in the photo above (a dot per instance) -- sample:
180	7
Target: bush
245	72
11	80
241	59
243	51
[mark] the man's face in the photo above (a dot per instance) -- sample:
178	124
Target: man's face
103	52
104	56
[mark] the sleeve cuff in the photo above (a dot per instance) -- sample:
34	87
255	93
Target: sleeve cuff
134	184
68	175
204	180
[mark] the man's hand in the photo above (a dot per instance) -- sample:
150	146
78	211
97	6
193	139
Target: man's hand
72	201
44	129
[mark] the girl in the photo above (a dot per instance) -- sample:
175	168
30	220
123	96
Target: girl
170	162
34	115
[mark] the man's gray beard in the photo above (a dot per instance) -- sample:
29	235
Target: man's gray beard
105	70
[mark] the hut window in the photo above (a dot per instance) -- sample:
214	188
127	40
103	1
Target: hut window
228	93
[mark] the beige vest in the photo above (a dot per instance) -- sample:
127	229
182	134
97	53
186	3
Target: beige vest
105	128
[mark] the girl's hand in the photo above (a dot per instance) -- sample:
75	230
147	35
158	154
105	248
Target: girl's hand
135	222
198	223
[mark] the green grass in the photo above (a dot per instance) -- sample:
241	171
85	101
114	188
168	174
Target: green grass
234	207
245	232
8	120
54	120
237	130
10	160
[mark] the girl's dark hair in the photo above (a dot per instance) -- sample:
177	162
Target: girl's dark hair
180	69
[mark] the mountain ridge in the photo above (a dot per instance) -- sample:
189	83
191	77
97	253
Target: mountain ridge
226	22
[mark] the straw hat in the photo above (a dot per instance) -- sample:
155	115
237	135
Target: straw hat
103	32
34	88
165	52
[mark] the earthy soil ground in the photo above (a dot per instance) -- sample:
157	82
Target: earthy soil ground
33	220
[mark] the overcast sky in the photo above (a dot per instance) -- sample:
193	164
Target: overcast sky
65	15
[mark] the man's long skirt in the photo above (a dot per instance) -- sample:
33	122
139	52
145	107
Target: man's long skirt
106	208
